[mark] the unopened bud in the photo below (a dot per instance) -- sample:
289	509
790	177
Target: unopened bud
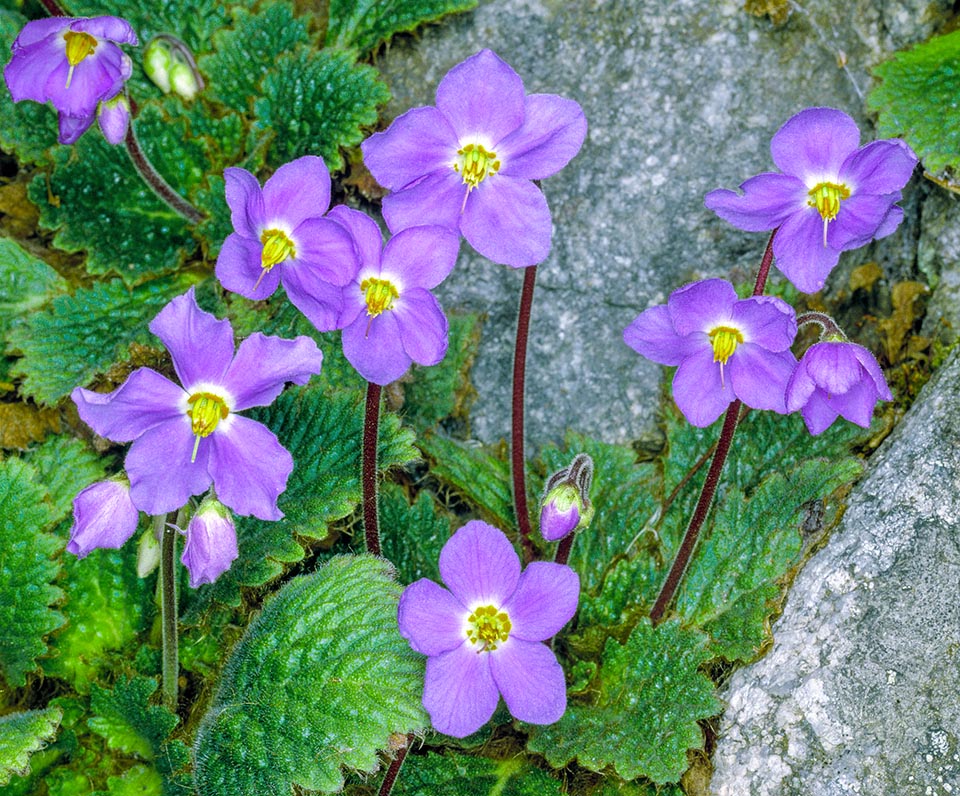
211	542
148	553
114	118
169	63
566	505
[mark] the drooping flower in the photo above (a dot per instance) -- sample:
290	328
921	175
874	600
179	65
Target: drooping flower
390	318
72	63
211	544
724	347
565	505
832	195
469	162
103	516
483	637
185	438
281	236
836	378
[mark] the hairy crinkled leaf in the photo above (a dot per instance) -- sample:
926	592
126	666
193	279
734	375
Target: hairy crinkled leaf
412	536
124	717
22	734
315	103
75	337
65	465
26	283
649	697
27	571
917	87
433	774
364	24
319	682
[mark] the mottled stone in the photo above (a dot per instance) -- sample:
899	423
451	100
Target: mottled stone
681	97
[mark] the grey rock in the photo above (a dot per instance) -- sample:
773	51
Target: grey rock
859	694
681	97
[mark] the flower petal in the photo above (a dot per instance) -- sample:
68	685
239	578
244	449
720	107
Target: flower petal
39	29
767	321
249	467
890	222
506	219
800	253
72	127
817	413
813	144
479	565
326	247
856	405
431	618
833	367
162	477
365	234
419	142
702	306
651	334
297	191
544	601
103	516
143	401
531	681
800	387
552	133
482	97
374	347
859	219
759	377
873	370
420	256
436	199
211	547
459	692
239	269
99	76
245	199
879	167
201	346
698	390
423	326
107	27
767	201
319	301
263	365
26	72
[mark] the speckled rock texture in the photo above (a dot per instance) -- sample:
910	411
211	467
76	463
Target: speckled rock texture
681	97
861	691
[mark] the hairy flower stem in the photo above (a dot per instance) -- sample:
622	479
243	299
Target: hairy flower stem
564	548
371	427
516	441
669	589
53	8
152	177
394	769
168	610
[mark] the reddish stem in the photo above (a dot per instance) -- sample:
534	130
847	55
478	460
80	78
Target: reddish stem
765	263
564	548
53	8
391	776
371	428
516	451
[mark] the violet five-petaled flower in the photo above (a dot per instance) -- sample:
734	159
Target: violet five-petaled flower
836	378
724	348
483	637
831	196
390	318
74	64
187	437
281	237
469	162
103	516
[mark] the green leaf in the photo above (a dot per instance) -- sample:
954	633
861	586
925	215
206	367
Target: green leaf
26	283
79	336
127	721
26	571
319	682
315	103
22	734
65	465
432	774
918	86
649	698
364	24
412	536
733	585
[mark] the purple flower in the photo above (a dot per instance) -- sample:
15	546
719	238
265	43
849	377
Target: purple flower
280	235
103	516
72	63
211	543
390	318
185	438
836	378
467	163
483	636
832	196
724	347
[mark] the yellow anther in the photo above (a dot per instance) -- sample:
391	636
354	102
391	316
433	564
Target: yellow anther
475	164
826	197
379	295
277	247
206	411
725	340
79	46
489	627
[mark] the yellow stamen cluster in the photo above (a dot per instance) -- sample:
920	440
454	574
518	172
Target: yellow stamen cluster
826	197
206	411
475	164
489	628
277	247
79	46
379	295
725	340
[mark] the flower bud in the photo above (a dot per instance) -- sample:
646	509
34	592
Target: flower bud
565	505
169	63
103	516
148	553
211	543
114	118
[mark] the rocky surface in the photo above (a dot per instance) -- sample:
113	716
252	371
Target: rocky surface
681	97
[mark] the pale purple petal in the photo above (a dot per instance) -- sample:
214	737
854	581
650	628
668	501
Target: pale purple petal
26	73
365	234
431	618
39	29
420	256
554	523
419	142
544	601
479	565
239	269
106	27
436	199
327	249
814	144
818	414
100	76
201	346
698	390
72	127
249	467
890	222
245	199
652	335
872	368
482	97
354	304
800	253
319	301
162	477
374	347
263	365
834	367
880	167
459	692
506	219
552	133
859	219
423	326
702	306
114	120
759	377
856	405
103	516
801	386
767	201
144	400
297	191
531	681
210	548
766	320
